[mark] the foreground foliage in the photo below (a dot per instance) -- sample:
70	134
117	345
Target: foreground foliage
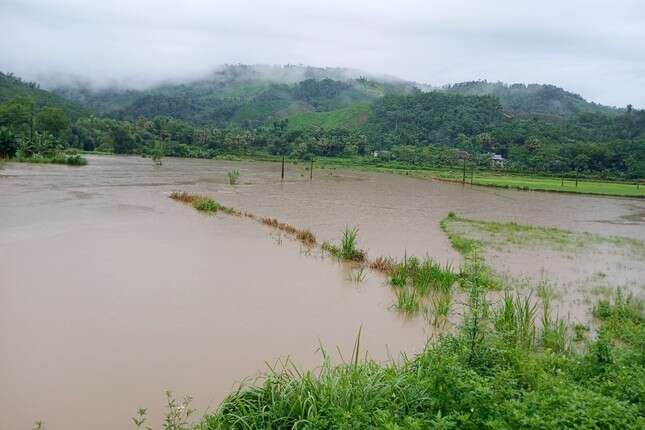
487	376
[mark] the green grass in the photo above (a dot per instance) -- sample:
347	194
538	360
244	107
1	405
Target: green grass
555	184
539	183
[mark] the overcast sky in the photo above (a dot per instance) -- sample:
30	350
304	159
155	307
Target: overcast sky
595	48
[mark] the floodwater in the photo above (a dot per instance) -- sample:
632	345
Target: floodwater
110	292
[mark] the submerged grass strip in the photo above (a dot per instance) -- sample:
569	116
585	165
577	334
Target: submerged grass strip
203	203
305	236
502	233
208	205
474	267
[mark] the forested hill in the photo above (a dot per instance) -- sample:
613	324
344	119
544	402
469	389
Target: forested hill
252	95
246	96
532	98
12	88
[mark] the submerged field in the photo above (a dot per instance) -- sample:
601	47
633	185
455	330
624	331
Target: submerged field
263	271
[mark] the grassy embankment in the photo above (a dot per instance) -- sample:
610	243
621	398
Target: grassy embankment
509	365
496	178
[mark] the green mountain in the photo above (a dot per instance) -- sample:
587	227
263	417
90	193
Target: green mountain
12	87
247	96
532	98
253	95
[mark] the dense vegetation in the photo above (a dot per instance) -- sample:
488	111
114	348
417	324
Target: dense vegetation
314	112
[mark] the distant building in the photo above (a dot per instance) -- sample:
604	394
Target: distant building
497	160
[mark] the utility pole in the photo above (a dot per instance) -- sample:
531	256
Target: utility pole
311	170
463	180
282	174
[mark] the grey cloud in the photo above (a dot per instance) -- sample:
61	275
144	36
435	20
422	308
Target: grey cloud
590	47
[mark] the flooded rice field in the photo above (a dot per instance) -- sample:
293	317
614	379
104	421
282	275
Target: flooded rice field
110	292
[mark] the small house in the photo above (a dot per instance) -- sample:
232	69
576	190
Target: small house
497	160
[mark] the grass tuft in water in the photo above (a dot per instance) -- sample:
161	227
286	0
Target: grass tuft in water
306	237
423	276
233	177
205	204
441	303
182	196
348	250
357	275
407	300
384	265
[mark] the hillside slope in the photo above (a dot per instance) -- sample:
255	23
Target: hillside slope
12	87
247	96
532	98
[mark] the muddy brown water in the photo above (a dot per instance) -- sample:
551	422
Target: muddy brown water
111	293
